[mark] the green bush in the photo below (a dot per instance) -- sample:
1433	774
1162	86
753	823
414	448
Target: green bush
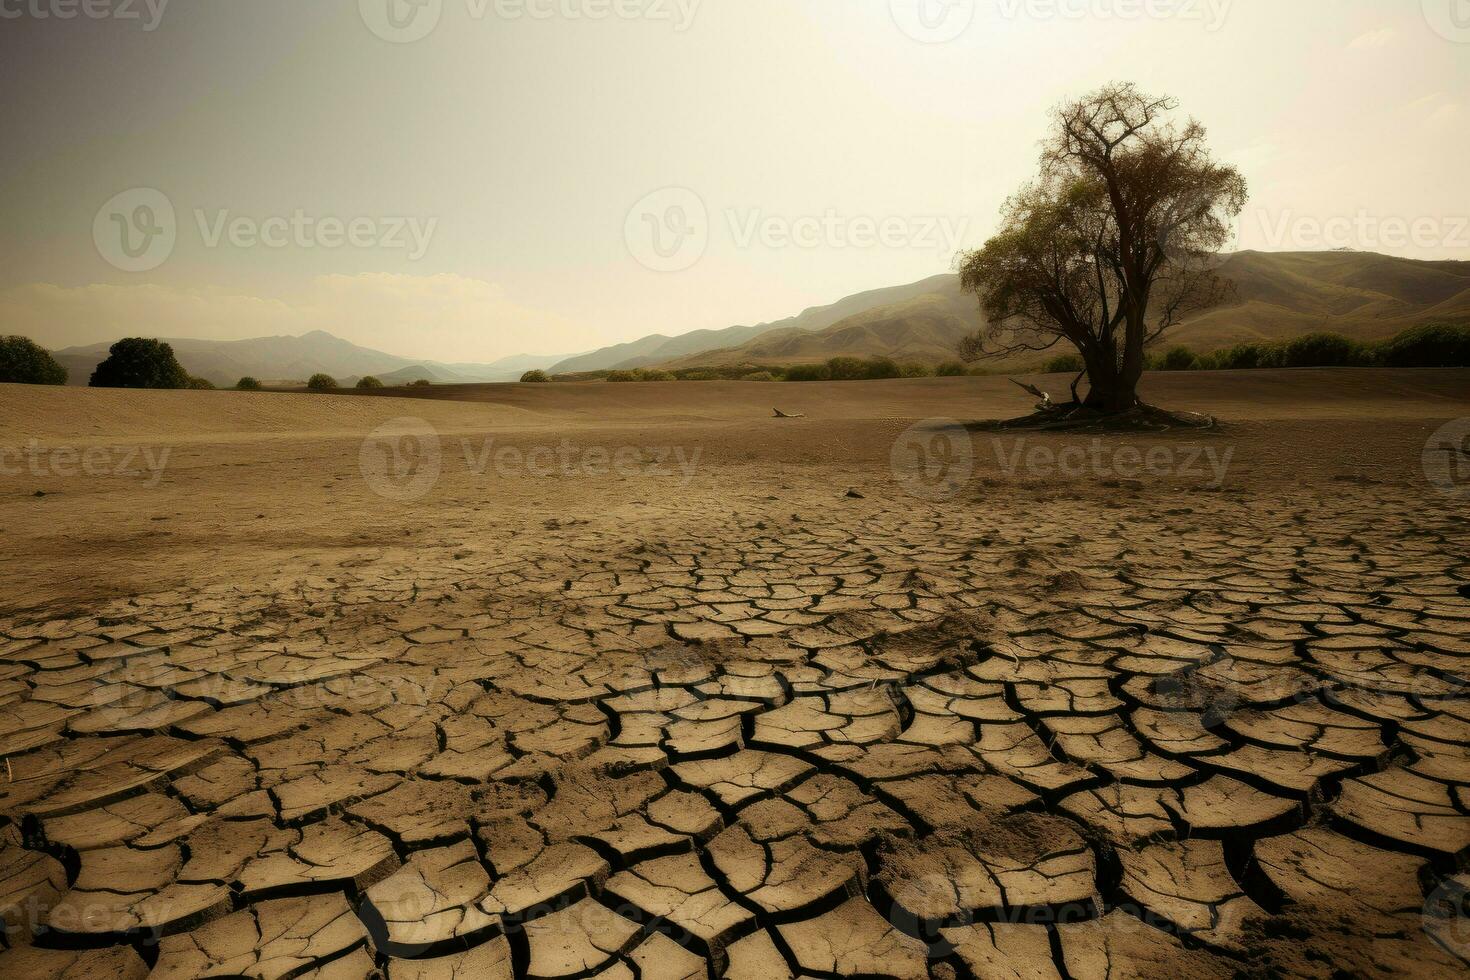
847	369
1323	350
915	371
135	362
952	369
537	377
701	375
25	362
200	384
651	375
369	382
809	372
882	368
1177	359
758	376
1432	345
322	382
421	383
247	383
1065	364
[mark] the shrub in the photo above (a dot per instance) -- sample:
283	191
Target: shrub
621	377
880	368
369	382
1243	357
702	375
322	382
135	362
421	383
25	362
537	377
658	375
247	383
200	384
846	369
1064	364
1322	350
809	372
758	376
1432	345
1177	359
952	369
915	371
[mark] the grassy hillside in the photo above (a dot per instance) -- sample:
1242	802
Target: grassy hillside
1361	295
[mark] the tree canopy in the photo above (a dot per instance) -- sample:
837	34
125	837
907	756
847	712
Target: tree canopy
1115	241
135	362
25	362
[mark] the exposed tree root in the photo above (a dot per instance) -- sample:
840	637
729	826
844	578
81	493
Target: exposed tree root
1074	417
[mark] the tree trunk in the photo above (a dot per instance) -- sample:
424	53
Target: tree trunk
1112	389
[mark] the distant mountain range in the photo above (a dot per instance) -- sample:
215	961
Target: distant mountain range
288	359
1278	295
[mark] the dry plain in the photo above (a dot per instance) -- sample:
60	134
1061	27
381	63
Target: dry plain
637	681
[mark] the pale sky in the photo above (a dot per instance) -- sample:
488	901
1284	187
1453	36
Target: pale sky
606	169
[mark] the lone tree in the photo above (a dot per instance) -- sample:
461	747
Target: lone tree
321	382
138	363
25	362
1114	242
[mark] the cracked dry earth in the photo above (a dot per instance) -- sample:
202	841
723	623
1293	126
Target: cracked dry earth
752	728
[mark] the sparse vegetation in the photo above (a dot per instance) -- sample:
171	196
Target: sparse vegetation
200	384
421	383
136	362
247	383
537	377
369	382
321	382
915	371
25	362
951	369
758	376
1065	364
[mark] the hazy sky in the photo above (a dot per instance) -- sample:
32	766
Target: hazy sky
555	175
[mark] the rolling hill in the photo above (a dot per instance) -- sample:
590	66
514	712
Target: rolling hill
298	358
658	348
1278	295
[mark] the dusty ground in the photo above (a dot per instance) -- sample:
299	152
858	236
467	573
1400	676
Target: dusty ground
638	689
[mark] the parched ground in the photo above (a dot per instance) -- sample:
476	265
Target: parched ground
782	712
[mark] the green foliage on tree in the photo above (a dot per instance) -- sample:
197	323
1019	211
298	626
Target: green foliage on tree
321	382
137	362
25	362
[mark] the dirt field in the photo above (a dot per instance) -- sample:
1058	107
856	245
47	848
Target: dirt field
637	681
